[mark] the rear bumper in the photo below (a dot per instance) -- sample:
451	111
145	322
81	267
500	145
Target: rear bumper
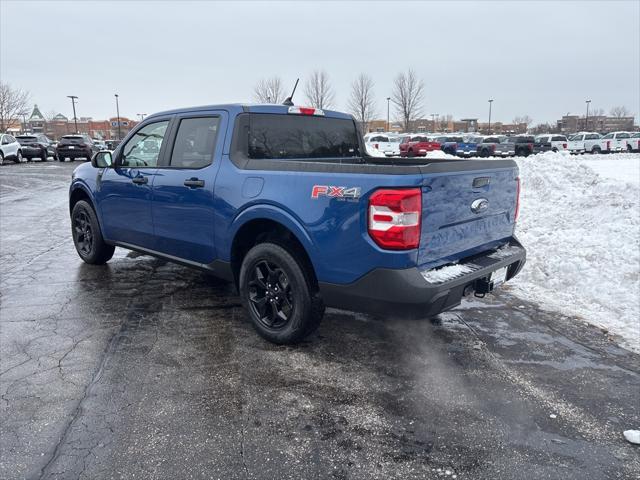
408	293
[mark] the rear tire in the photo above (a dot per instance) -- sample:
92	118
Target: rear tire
596	150
278	294
87	236
1	158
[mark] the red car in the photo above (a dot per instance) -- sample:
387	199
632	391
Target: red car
417	146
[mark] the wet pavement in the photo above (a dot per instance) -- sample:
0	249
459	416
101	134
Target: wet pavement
144	369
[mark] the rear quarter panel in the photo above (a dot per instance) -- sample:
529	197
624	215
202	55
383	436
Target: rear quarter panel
333	230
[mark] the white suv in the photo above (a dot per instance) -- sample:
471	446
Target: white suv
615	142
585	142
10	149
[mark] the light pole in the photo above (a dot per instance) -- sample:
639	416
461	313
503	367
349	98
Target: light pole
490	102
433	121
118	115
141	115
586	119
388	100
73	103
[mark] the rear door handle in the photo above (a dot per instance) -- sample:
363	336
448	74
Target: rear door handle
194	183
140	180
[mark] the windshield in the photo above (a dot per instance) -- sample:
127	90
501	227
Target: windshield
300	136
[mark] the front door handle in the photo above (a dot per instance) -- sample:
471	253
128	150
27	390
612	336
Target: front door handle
194	183
140	180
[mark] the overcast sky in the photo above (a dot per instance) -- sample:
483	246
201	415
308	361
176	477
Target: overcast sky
536	58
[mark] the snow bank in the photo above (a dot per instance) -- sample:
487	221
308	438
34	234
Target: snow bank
582	234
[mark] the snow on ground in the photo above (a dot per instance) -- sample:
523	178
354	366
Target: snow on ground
582	234
620	166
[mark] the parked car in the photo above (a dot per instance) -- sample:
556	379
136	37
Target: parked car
615	142
449	144
469	146
76	146
523	145
382	143
496	146
633	142
550	142
112	144
36	145
283	202
10	149
99	144
584	142
417	146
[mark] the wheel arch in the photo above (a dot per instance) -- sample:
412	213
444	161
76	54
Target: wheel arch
266	223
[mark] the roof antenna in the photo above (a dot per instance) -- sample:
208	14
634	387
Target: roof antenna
289	100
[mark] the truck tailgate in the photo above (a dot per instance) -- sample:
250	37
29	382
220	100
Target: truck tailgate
464	213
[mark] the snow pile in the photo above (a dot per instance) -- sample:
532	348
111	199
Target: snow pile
582	234
439	275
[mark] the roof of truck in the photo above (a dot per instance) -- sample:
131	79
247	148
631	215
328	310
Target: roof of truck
246	107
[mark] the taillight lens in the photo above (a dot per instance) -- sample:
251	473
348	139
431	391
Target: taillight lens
564	145
515	217
375	145
394	218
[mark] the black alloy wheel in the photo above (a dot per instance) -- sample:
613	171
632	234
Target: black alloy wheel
83	232
270	295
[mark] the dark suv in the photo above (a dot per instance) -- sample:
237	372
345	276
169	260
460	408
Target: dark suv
76	146
36	145
523	145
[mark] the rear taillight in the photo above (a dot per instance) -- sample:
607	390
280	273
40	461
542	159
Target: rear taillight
375	145
493	147
531	146
515	217
564	145
608	145
394	218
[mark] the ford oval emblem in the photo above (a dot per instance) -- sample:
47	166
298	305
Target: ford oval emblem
479	205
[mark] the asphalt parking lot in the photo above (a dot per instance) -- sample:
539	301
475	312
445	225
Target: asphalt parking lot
144	369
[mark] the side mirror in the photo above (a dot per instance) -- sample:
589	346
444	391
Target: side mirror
102	159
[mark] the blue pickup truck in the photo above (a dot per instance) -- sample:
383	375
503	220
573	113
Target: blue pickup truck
284	202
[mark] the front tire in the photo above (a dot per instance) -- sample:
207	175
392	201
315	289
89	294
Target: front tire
20	158
277	292
87	236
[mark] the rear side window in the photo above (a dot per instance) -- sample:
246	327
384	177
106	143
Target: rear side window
608	135
559	138
623	135
195	142
273	136
593	136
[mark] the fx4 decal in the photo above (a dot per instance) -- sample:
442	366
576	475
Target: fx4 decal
335	192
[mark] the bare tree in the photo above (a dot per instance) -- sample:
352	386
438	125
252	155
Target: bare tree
620	112
444	121
526	119
318	90
596	112
13	104
269	90
407	96
361	102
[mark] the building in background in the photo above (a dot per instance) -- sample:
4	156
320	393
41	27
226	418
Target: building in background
37	122
599	123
